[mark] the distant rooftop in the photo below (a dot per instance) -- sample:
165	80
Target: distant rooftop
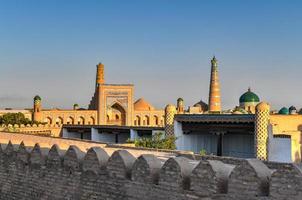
118	84
215	118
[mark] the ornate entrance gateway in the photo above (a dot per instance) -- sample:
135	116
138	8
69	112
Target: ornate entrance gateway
116	115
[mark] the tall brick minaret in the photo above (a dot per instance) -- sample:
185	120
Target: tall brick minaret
94	103
100	74
214	93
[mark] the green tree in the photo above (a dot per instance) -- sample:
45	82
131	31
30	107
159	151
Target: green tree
203	152
14	118
157	141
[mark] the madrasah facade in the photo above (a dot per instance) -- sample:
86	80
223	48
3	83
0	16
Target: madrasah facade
111	104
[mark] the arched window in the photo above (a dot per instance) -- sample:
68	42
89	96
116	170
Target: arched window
70	120
147	120
59	121
92	120
162	121
137	121
48	120
81	121
155	119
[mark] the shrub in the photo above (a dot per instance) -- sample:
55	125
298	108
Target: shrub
157	141
203	152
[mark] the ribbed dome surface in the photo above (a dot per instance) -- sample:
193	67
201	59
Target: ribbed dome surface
37	98
202	105
180	99
292	108
283	111
249	96
142	105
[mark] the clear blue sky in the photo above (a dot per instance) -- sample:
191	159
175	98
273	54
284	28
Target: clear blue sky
164	47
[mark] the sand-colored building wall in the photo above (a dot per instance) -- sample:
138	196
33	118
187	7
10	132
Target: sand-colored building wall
290	125
149	118
60	117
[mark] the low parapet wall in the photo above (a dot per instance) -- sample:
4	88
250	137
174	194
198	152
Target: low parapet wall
64	143
41	129
42	173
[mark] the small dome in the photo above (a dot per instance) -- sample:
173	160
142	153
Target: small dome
283	111
76	106
239	110
201	105
263	106
249	96
180	99
170	108
37	98
142	105
292	109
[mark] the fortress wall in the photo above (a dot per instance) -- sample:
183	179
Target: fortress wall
37	172
64	143
46	142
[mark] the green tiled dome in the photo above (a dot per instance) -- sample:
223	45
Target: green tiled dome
180	99
37	98
249	96
283	111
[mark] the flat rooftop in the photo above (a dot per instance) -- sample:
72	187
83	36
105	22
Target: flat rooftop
116	127
215	118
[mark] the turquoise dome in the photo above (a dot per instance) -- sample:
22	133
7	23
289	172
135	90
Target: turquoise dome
283	111
249	96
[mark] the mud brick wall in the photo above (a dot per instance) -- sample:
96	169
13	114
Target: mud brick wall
36	173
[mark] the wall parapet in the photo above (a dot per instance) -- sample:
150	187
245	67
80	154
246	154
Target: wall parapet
40	129
53	173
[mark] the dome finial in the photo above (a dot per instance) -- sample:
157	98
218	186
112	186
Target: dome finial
249	89
214	61
214	58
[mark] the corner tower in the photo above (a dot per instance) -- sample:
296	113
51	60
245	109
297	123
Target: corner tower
37	114
261	130
180	106
214	92
170	111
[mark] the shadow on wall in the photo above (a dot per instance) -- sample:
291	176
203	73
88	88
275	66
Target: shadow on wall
297	157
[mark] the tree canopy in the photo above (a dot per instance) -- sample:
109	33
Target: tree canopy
14	118
157	141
